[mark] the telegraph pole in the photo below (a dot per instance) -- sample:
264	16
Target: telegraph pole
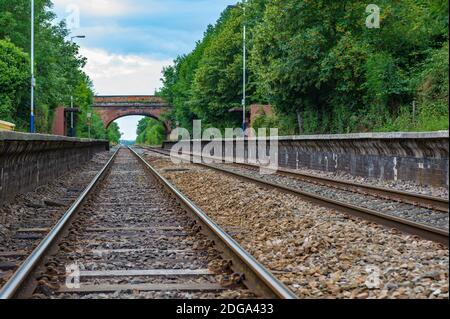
33	80
244	71
71	118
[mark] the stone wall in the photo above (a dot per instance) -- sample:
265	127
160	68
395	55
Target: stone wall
418	157
30	160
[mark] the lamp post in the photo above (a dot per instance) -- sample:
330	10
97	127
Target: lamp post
33	80
244	71
244	68
71	117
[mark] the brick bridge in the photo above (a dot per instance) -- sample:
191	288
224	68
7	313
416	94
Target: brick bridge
111	108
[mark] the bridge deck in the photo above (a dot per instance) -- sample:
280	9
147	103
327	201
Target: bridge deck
129	101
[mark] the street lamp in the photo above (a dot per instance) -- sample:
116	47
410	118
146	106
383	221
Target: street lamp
72	133
77	36
244	71
33	80
244	68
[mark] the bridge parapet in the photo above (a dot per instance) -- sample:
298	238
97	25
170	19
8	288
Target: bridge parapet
129	101
128	104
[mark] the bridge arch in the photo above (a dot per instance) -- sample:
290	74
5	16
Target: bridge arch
111	108
134	114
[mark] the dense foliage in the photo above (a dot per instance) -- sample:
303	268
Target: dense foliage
150	131
113	133
320	67
58	68
13	78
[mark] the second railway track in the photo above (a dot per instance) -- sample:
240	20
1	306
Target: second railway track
132	235
388	207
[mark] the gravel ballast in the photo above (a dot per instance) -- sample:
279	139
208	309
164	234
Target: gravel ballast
414	213
317	252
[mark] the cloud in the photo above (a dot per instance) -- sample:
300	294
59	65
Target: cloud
103	8
130	41
115	74
158	42
159	28
121	8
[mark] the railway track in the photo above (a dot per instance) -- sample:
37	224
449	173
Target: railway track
31	216
131	234
420	215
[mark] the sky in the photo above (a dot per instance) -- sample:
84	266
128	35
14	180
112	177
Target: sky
128	42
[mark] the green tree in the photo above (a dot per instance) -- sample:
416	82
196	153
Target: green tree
113	133
319	66
93	127
178	80
319	59
58	65
14	67
207	83
150	132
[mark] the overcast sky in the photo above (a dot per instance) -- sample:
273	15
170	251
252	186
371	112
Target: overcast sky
128	42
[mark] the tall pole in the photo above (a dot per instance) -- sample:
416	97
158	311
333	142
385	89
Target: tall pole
33	81
244	71
71	117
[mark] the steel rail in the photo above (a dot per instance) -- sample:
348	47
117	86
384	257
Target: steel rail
257	277
430	202
13	287
421	200
407	226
